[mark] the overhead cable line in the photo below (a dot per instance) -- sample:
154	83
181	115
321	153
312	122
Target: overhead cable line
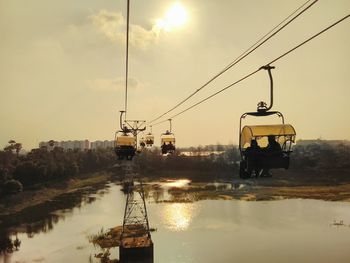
127	58
257	42
309	39
257	70
251	49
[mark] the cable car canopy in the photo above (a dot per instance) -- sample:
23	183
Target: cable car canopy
125	140
168	138
149	137
282	132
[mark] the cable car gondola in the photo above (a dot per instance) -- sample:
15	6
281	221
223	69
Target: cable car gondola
167	141
149	139
125	144
264	147
142	142
125	141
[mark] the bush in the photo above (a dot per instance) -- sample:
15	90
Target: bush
12	187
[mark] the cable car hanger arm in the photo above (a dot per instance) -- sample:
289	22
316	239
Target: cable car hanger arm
121	119
262	105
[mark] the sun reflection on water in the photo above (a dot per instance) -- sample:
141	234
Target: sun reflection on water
176	183
178	216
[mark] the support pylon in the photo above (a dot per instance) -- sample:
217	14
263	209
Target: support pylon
136	242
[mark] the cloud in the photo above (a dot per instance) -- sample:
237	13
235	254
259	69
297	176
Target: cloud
115	84
110	24
142	38
113	26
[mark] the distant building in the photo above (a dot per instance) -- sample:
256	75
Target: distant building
72	145
320	141
50	145
102	144
66	145
96	145
76	144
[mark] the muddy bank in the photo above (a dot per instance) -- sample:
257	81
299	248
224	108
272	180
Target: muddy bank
328	185
41	194
251	191
112	237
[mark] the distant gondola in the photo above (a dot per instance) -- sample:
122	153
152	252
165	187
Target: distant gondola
167	141
149	139
142	143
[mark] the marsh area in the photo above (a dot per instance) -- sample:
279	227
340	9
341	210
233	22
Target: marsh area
194	222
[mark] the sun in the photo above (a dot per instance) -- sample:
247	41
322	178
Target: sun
175	17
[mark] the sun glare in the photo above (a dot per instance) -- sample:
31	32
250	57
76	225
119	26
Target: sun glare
178	216
175	17
177	183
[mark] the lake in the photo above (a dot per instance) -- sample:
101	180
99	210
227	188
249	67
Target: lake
294	230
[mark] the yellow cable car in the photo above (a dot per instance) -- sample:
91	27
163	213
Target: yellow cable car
167	141
149	140
142	142
264	147
284	135
125	144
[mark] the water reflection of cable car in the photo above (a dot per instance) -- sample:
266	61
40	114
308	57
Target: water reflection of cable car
125	144
167	141
264	147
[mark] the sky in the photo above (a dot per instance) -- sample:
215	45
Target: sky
62	68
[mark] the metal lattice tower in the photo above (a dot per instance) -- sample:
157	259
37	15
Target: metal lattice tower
135	221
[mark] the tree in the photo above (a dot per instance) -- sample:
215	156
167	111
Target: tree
13	146
17	147
51	144
12	187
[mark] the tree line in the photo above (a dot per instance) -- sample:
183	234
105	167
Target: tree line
320	155
43	165
215	165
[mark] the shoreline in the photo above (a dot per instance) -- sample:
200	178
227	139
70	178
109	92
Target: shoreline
249	192
282	185
41	194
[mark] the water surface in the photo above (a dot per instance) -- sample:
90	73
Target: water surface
205	231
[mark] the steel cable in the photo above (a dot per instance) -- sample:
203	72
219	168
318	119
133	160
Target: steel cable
254	72
251	49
